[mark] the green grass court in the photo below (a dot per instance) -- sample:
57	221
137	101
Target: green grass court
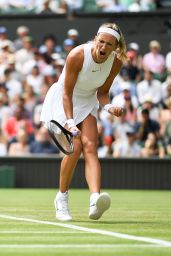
133	212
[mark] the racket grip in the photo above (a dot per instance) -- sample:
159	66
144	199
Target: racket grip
74	133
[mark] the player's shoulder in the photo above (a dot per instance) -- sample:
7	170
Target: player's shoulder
77	52
76	56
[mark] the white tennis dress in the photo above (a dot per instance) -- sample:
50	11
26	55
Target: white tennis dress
90	78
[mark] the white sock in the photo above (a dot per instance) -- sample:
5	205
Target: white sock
61	194
94	197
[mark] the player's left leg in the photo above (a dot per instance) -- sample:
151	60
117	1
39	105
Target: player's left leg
99	203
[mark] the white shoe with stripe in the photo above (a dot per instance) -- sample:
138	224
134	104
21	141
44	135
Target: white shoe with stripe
61	207
98	205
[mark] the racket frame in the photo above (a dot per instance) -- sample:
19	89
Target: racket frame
68	134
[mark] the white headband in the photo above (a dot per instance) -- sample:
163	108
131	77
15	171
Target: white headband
109	31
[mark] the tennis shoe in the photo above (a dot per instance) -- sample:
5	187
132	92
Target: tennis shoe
99	205
61	207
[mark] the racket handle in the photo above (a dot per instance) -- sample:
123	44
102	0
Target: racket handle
74	133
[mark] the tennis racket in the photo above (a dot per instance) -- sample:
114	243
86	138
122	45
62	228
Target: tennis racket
62	137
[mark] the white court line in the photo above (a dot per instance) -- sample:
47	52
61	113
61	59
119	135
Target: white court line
92	246
92	230
40	232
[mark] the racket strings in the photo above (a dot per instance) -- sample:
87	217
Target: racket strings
62	138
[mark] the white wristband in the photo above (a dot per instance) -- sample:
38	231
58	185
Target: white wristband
70	123
107	107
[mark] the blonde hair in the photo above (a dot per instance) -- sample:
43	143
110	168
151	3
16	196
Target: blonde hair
121	48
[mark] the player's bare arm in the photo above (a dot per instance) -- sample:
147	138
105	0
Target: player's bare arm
103	92
74	64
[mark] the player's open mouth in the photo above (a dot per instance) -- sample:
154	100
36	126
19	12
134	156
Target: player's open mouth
102	53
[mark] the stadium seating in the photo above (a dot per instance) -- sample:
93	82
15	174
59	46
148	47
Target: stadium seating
90	6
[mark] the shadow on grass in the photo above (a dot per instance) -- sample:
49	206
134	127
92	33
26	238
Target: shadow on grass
97	222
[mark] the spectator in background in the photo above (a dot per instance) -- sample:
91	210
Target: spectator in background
25	54
68	45
126	3
15	122
5	51
43	91
22	31
142	5
46	8
135	6
138	59
146	126
21	146
149	87
129	147
130	73
14	87
73	34
120	126
58	65
119	100
132	69
131	111
71	6
11	66
19	101
4	36
35	79
148	103
29	99
153	147
5	55
125	78
37	60
148	5
49	75
49	47
109	5
155	61
42	143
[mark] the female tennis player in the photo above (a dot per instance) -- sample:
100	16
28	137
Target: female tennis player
73	102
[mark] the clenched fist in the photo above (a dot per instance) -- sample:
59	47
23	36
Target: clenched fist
116	111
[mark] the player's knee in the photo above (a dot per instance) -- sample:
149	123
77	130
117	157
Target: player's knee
90	146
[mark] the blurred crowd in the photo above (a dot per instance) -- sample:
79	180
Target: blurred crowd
68	6
143	88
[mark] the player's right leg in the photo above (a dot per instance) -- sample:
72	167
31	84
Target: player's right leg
66	172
